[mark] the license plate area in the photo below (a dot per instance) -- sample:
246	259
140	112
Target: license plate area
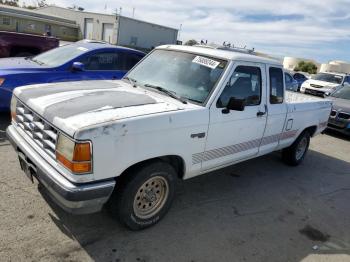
27	167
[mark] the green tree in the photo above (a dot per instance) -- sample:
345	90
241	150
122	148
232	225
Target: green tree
191	42
307	67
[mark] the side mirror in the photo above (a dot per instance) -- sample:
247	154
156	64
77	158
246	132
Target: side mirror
234	104
78	66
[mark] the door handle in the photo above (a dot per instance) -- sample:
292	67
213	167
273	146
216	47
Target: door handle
199	135
260	113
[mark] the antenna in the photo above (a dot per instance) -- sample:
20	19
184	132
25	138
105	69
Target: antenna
120	10
179	32
133	12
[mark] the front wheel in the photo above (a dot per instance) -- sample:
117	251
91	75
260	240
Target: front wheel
295	154
144	196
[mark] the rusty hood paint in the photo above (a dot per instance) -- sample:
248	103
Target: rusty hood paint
71	106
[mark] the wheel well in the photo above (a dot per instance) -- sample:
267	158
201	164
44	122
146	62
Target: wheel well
22	49
311	130
175	161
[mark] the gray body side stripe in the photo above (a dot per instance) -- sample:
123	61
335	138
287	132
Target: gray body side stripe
237	148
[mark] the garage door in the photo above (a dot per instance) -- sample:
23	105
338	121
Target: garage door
107	32
88	28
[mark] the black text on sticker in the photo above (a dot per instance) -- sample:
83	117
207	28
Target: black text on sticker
205	62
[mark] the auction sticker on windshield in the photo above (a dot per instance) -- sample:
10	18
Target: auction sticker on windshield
204	61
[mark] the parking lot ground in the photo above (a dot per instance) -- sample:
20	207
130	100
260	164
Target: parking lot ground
259	210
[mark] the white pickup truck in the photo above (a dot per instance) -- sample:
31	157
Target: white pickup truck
181	112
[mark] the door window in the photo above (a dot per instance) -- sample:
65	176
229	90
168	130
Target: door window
130	60
347	80
276	85
245	83
102	62
298	76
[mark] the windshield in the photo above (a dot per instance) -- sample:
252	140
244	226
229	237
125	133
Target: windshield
187	75
336	79
343	93
59	55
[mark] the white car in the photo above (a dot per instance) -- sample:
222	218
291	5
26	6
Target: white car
181	112
324	84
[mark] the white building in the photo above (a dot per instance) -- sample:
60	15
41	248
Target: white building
291	63
336	66
116	29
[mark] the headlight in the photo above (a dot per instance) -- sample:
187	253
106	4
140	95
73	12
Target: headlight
2	80
13	107
75	156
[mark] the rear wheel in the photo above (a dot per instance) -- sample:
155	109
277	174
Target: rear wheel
144	196
295	154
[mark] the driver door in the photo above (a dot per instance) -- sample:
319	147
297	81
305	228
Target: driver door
236	135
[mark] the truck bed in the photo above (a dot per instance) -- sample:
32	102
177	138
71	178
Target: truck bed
296	98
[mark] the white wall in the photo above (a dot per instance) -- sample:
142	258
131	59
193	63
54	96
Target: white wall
336	66
147	35
125	29
79	17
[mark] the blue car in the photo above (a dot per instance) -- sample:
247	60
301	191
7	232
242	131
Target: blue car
83	60
300	78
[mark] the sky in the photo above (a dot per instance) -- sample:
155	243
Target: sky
315	29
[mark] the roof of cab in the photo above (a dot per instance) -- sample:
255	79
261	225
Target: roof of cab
94	44
222	54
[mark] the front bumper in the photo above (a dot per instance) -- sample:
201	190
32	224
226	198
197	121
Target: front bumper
73	198
343	130
315	92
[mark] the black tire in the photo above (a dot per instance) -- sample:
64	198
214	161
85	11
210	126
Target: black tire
291	155
123	203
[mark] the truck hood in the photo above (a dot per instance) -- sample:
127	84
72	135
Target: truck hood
18	63
71	106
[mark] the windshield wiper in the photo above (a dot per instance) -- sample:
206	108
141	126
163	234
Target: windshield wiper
35	61
131	80
167	92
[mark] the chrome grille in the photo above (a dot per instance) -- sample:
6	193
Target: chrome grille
44	134
344	115
316	86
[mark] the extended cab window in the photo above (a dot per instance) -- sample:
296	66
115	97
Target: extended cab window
245	83
102	61
276	85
